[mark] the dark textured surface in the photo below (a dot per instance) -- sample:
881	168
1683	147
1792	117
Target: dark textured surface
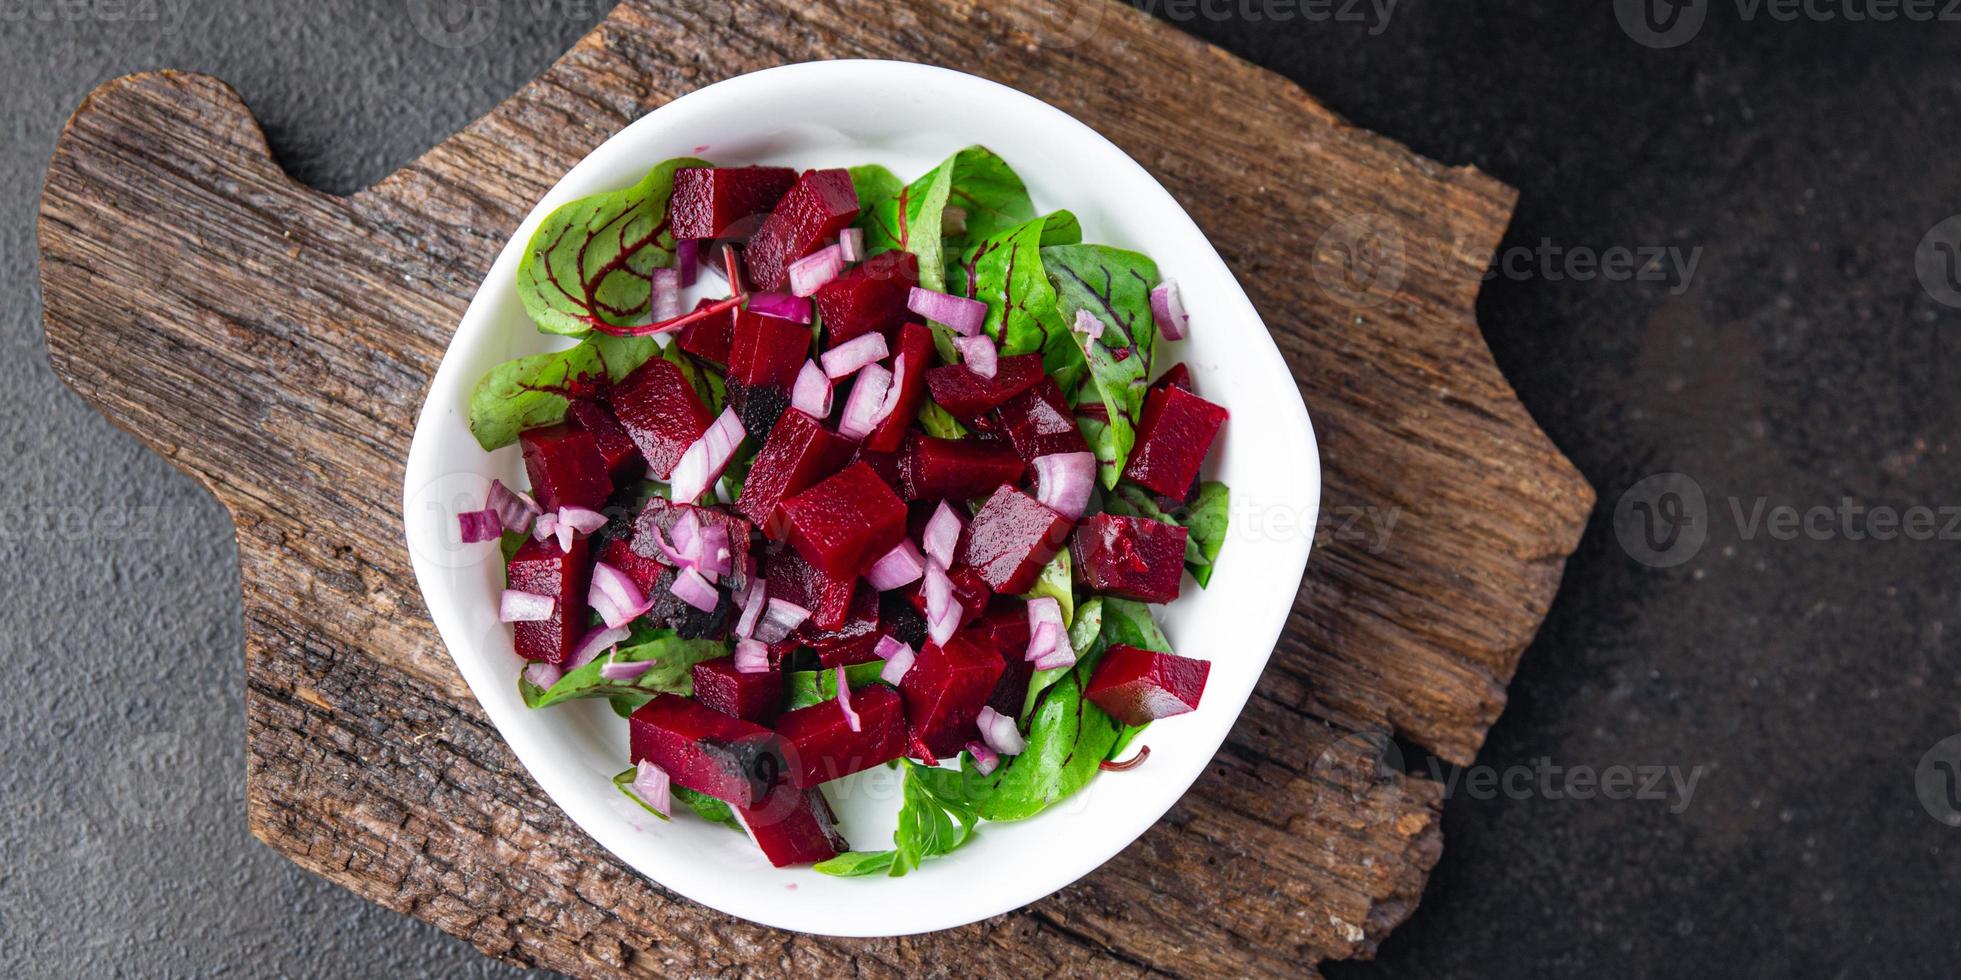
1802	364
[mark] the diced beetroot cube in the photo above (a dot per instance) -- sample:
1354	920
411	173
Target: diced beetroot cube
846	522
969	590
946	688
899	620
820	746
540	568
1006	624
914	355
871	297
623	460
660	410
704	750
794	826
820	204
674	613
725	202
886	465
956	469
794	580
566	468
645	572
662	514
1133	557
710	339
854	641
1172	439
967	396
767	350
1010	539
1038	423
1176	376
798	453
754	697
1138	686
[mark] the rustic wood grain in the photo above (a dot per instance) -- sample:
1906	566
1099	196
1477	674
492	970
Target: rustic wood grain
275	343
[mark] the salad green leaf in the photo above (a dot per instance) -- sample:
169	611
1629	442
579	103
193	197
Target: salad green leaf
874	183
913	218
939	811
1113	285
1085	629
1004	270
938	423
707	382
1068	737
589	262
707	807
673	671
808	687
1054	581
533	391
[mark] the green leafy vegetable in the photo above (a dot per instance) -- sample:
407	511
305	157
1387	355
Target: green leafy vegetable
533	391
589	263
1113	285
1004	270
874	183
1205	520
624	783
913	218
938	423
1129	623
857	864
1067	737
1054	581
674	659
808	687
939	811
707	807
707	382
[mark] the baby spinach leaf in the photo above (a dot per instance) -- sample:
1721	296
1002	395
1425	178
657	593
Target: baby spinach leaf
1004	270
624	783
1067	737
674	659
857	864
808	687
913	217
1113	285
874	183
938	423
589	261
1129	623
532	391
706	807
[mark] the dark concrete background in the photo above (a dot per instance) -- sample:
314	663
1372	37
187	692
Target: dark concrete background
1799	678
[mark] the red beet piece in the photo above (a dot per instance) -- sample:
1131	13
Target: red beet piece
852	642
1172	439
1176	376
819	745
794	580
661	412
969	590
967	396
914	356
767	350
846	522
1138	686
725	202
946	688
623	460
732	760
1010	539
1038	423
645	572
794	826
820	204
540	568
710	339
798	453
754	697
886	465
1006	625
1133	557
870	297
957	469
663	514
566	468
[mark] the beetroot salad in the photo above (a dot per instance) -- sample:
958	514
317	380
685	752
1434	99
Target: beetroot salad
900	492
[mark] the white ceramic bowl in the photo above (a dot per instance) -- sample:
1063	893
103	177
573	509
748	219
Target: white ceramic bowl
907	117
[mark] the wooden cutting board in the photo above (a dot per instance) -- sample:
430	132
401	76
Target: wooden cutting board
275	343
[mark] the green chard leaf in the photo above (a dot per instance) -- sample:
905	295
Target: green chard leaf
532	391
673	671
808	687
1004	270
1068	736
857	864
1115	286
589	262
1127	622
938	812
1204	520
874	184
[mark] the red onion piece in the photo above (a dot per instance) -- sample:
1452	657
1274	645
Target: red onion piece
524	607
514	508
687	259
1045	642
984	758
1063	656
664	294
544	527
1088	324
1168	309
780	617
695	590
480	525
1063	482
615	596
651	784
542	675
1044	626
979	354
844	701
846	358
783	306
861	410
576	519
811	394
815	269
625	672
715	559
965	316
942	535
900	567
851	244
1000	734
702	462
751	656
593	644
752	607
942	613
898	659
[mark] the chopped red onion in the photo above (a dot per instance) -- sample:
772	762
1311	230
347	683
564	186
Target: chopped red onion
979	354
716	559
524	607
898	657
844	701
1168	309
942	535
651	784
815	269
942	612
616	671
664	294
687	536
1043	611
593	643
615	596
965	316
846	358
984	758
851	244
703	462
542	674
514	508
1046	641
1060	656
752	607
862	409
544	527
780	617
1063	482
900	567
999	732
811	394
687	258
480	525
695	590
576	519
783	306
751	656
1089	325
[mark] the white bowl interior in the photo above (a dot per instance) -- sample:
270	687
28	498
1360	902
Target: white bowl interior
907	117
